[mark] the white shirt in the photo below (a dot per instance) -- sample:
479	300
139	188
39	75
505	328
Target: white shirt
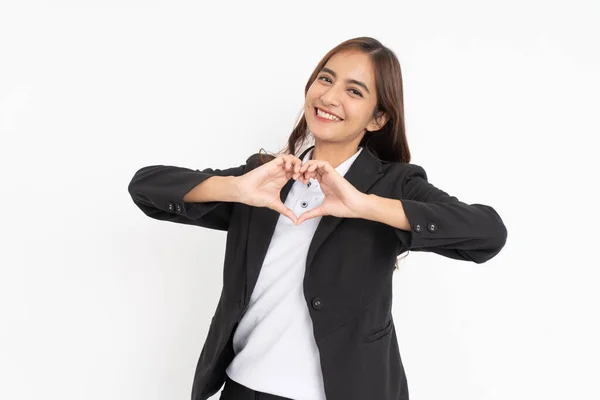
274	345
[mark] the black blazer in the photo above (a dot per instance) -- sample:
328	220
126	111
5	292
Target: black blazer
349	267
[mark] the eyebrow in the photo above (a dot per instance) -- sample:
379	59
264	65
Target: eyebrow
359	83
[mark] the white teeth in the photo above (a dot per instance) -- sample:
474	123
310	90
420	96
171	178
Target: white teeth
323	114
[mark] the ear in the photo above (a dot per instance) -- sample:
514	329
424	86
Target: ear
378	122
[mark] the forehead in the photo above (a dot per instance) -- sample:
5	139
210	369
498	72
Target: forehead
352	65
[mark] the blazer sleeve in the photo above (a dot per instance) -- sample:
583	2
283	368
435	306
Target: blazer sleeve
158	191
442	224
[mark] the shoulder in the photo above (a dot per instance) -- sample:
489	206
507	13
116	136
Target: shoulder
402	171
257	159
252	160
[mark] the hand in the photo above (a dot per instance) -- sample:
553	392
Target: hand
341	198
262	186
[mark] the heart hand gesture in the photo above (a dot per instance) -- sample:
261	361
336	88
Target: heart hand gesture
341	198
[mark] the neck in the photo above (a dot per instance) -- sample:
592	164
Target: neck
333	153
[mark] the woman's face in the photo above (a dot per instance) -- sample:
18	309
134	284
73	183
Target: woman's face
345	89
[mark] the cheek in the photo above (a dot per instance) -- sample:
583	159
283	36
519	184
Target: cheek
311	95
362	115
353	112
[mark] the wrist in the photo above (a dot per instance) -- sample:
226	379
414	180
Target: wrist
368	206
233	192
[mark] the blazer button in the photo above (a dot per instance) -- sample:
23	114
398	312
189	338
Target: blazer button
432	227
418	228
304	204
178	208
171	207
317	303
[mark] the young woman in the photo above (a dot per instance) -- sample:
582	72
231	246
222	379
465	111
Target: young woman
313	235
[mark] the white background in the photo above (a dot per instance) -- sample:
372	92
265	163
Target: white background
98	301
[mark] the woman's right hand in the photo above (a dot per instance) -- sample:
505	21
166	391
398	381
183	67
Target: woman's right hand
261	187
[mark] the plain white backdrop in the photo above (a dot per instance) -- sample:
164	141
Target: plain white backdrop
98	301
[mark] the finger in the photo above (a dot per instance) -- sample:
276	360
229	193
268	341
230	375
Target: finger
292	165
297	164
279	164
307	175
328	168
307	164
312	173
315	171
311	166
315	212
323	169
286	166
277	161
288	162
314	166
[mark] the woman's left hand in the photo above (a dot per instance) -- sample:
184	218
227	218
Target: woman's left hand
341	198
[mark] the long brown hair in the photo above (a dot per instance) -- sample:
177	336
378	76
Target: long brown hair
389	143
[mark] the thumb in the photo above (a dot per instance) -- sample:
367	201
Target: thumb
315	212
278	206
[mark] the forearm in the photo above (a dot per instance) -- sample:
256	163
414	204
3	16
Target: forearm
384	210
215	188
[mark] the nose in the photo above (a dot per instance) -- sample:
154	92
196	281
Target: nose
331	97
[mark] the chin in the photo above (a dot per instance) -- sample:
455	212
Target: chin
319	132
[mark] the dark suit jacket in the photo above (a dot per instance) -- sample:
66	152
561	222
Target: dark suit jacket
348	279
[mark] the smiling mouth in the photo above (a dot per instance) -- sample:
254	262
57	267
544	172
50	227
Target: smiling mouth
324	115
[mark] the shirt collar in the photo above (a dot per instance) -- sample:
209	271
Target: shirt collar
343	167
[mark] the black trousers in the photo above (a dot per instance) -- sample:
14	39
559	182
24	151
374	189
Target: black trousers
236	391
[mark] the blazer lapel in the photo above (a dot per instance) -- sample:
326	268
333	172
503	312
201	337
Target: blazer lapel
262	225
363	173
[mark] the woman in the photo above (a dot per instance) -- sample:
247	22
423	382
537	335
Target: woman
305	310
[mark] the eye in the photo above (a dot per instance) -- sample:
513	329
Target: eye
322	77
356	92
